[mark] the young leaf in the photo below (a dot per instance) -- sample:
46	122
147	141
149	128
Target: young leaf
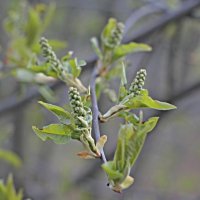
145	101
124	49
59	133
135	146
8	191
112	23
10	157
63	115
127	182
75	68
122	89
111	172
130	142
33	26
48	15
47	93
96	48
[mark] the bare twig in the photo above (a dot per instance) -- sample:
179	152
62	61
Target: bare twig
95	109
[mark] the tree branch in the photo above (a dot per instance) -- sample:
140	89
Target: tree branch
95	109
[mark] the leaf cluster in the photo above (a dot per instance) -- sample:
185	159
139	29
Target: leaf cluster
25	24
76	122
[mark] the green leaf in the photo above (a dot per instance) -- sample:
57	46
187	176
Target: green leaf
126	134
63	115
8	192
130	141
39	68
10	157
145	101
33	26
111	172
123	75
112	23
124	49
122	89
47	93
75	66
135	145
96	48
57	44
48	15
59	133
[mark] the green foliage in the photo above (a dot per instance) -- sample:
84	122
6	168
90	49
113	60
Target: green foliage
145	101
134	98
8	192
125	49
66	70
110	48
25	25
63	115
130	141
59	133
10	157
75	125
76	122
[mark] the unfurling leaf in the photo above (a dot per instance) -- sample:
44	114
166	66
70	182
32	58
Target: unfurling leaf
59	133
112	33
130	142
101	142
96	48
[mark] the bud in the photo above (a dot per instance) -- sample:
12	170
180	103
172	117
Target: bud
116	36
138	82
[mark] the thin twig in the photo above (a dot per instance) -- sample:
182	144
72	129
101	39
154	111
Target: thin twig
95	109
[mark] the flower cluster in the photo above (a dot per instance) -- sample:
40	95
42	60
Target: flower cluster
116	36
83	126
138	82
77	105
50	55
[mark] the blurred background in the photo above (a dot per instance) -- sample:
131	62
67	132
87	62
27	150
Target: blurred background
169	165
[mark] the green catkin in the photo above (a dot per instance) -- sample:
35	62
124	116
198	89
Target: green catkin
138	82
76	104
116	36
50	55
